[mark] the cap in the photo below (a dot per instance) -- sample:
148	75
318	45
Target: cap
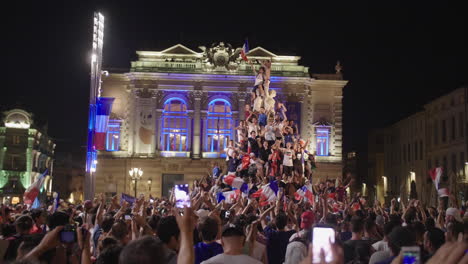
455	213
230	230
252	154
307	219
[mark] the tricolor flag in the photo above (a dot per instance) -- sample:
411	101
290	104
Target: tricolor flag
267	193
236	182
103	110
33	190
245	50
302	192
229	197
436	174
443	192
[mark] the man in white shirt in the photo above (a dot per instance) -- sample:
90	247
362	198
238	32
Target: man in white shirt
233	240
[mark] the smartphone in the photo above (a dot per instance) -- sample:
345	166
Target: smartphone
68	234
151	200
128	217
321	240
181	192
411	255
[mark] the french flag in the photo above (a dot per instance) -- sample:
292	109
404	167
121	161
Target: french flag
103	110
436	174
33	190
302	192
245	50
236	182
267	193
229	197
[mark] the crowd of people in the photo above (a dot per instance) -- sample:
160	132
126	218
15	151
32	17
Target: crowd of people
261	206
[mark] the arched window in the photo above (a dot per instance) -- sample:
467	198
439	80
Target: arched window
218	126
175	126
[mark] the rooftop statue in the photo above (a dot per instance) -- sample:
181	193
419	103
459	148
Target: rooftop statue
220	55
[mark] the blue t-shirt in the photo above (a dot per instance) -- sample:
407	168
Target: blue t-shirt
262	119
206	251
277	242
216	172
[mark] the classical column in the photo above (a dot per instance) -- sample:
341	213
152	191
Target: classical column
197	96
241	99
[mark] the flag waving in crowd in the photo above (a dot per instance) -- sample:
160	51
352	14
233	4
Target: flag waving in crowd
33	190
245	50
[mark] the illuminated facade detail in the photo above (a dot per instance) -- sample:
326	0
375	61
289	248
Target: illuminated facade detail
219	127
25	153
323	139
113	135
175	126
179	108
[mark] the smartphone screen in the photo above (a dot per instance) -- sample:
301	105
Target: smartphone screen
128	217
411	255
68	234
181	192
321	240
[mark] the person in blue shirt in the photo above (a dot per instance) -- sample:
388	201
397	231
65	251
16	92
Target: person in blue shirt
262	117
208	248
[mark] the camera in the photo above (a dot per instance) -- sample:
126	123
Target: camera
68	234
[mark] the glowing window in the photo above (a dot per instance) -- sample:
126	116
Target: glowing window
113	135
323	139
175	125
218	126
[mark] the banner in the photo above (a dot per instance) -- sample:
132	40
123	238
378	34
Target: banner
103	110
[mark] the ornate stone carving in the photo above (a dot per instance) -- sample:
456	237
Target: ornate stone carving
144	93
221	55
197	95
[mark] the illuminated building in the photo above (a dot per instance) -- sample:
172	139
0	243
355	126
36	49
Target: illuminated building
175	110
408	149
25	153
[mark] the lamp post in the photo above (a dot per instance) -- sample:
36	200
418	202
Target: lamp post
135	175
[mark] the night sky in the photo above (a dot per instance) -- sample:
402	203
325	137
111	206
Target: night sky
396	57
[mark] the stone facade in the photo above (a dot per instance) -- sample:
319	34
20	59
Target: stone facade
411	147
200	82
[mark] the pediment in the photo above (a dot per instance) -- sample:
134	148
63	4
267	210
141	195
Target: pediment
179	49
260	52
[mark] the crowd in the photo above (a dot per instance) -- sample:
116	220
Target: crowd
259	207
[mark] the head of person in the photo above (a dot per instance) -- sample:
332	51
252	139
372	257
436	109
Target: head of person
370	227
247	107
281	220
253	134
231	143
429	223
252	156
419	229
169	232
388	228
39	216
207	229
145	250
232	238
357	225
23	224
109	254
433	239
265	144
454	228
120	232
400	237
58	218
307	220
288	145
262	110
453	214
261	70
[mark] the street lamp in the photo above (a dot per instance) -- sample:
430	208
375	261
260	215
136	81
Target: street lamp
135	175
149	184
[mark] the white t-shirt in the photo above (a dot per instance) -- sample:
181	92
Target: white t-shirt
240	135
253	127
288	157
381	246
258	79
229	151
270	133
234	259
